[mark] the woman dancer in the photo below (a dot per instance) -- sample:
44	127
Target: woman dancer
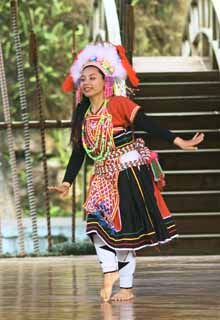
125	210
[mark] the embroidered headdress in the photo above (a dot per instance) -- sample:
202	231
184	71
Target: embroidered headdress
111	60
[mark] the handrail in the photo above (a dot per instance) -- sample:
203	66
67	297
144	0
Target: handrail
105	17
113	21
201	36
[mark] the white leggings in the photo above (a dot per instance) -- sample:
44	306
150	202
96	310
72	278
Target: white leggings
112	260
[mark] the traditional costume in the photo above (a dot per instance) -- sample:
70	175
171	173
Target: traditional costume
125	209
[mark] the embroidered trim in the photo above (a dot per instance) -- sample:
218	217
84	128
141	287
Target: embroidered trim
103	196
112	163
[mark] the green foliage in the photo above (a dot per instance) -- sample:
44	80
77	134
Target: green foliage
61	138
63	249
71	248
134	2
57	211
53	23
156	34
159	26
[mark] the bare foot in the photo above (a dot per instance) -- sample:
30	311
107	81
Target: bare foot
109	280
123	294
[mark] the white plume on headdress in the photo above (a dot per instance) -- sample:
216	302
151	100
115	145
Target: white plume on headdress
108	53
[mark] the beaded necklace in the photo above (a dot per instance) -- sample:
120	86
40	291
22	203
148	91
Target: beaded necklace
103	135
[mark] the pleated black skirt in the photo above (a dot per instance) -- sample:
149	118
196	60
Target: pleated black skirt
145	218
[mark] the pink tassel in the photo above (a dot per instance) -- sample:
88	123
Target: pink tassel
78	95
109	83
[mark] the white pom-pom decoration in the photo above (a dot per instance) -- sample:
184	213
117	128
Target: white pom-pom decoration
99	53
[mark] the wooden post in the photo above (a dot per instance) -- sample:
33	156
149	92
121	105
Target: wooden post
126	17
74	184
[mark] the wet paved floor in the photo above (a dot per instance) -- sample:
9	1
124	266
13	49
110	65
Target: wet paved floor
68	288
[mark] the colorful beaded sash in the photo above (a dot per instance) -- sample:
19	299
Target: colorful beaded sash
103	196
113	164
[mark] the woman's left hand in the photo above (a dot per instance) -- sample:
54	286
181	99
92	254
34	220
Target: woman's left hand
189	144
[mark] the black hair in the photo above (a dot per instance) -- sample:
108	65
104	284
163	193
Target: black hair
77	119
78	116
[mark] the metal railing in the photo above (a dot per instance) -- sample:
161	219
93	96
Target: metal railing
105	22
201	36
113	21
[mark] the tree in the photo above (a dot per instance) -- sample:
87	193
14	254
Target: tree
159	26
53	23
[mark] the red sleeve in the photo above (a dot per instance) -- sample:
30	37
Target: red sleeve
123	110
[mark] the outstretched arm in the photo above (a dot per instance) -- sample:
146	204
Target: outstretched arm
145	123
73	167
190	144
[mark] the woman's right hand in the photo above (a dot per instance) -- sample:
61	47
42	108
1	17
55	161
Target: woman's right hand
63	190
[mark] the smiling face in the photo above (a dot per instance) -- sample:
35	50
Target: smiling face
91	82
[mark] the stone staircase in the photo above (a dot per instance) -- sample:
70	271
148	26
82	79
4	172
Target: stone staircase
186	102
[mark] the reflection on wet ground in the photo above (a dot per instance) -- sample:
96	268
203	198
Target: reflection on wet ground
68	288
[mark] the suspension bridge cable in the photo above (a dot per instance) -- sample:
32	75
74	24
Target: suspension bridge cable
34	62
24	115
15	183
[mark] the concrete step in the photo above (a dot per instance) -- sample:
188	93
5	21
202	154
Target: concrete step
195	214
188	244
212	139
193	202
179	76
167	89
179	103
190	160
184	122
169	64
192	180
182	95
198	224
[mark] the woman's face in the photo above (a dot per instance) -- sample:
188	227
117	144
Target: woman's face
91	82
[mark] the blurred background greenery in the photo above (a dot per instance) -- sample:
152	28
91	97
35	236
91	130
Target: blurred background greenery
158	32
159	27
